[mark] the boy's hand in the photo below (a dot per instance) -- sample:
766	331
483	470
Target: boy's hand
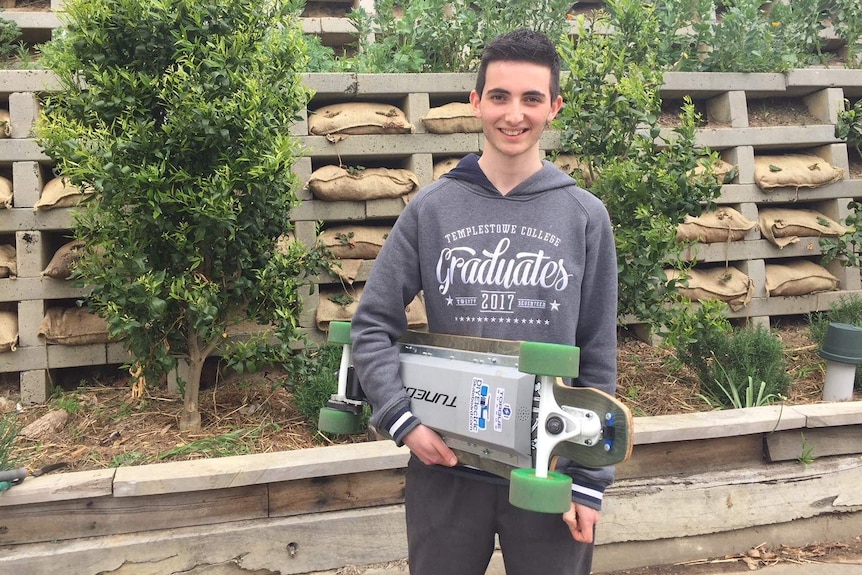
429	447
582	522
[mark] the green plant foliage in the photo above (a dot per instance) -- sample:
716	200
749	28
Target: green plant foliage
741	35
443	35
9	429
314	378
744	364
845	248
175	113
847	20
644	176
9	34
849	126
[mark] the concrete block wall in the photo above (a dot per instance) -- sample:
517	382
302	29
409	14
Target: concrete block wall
726	98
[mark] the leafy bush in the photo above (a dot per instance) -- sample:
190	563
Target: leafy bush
732	364
9	34
644	176
443	35
182	134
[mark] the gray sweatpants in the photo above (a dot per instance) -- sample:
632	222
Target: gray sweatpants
452	520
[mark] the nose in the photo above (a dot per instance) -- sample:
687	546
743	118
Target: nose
514	114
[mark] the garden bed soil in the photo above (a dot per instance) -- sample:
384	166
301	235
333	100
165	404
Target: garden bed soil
105	426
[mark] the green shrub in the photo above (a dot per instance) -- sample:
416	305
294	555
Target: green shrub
443	35
8	432
610	123
314	378
730	363
9	34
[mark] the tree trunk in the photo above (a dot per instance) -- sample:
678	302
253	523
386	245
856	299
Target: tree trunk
190	418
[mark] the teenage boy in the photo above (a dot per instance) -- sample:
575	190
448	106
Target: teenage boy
504	246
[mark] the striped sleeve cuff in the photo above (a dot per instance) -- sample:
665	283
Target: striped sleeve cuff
589	495
402	423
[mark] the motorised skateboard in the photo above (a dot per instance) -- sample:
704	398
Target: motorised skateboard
500	406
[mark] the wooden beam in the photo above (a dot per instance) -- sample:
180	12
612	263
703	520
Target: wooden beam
692	457
336	493
91	517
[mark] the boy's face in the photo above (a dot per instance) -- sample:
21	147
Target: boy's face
515	107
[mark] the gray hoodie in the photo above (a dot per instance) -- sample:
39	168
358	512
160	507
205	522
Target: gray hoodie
537	264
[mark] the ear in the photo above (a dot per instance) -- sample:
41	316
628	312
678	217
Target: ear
475	100
555	108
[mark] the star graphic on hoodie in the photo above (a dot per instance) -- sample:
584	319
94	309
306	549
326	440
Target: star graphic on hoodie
555	305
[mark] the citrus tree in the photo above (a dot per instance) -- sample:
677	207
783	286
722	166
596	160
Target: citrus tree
175	114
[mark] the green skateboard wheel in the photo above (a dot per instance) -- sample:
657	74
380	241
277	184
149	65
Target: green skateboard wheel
551	494
339	332
551	359
338	422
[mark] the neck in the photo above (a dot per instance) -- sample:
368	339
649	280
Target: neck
506	173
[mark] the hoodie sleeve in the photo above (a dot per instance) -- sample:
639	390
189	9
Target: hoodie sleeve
597	340
380	320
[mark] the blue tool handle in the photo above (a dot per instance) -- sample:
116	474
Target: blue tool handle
13	475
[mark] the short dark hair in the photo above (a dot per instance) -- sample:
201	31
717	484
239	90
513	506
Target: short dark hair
521	45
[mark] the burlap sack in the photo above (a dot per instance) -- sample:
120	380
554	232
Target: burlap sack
8	261
726	284
443	167
357	118
452	118
5	193
719	170
794	171
8	331
355	241
570	164
5	125
73	326
784	226
64	259
334	183
798	277
59	193
723	224
336	305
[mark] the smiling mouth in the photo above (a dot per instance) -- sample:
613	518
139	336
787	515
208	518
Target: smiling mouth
512	132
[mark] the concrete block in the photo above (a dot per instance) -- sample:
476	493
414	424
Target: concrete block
416	107
835	154
423	166
35	386
117	354
749	211
306	232
300	126
825	104
24	109
12	150
30	314
27	182
320	148
743	158
302	168
756	270
179	375
728	109
77	355
708	84
443	86
384	208
34	253
331	86
316	210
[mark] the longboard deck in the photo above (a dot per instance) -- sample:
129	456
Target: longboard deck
619	431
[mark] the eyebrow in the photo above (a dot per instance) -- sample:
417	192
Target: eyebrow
534	93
